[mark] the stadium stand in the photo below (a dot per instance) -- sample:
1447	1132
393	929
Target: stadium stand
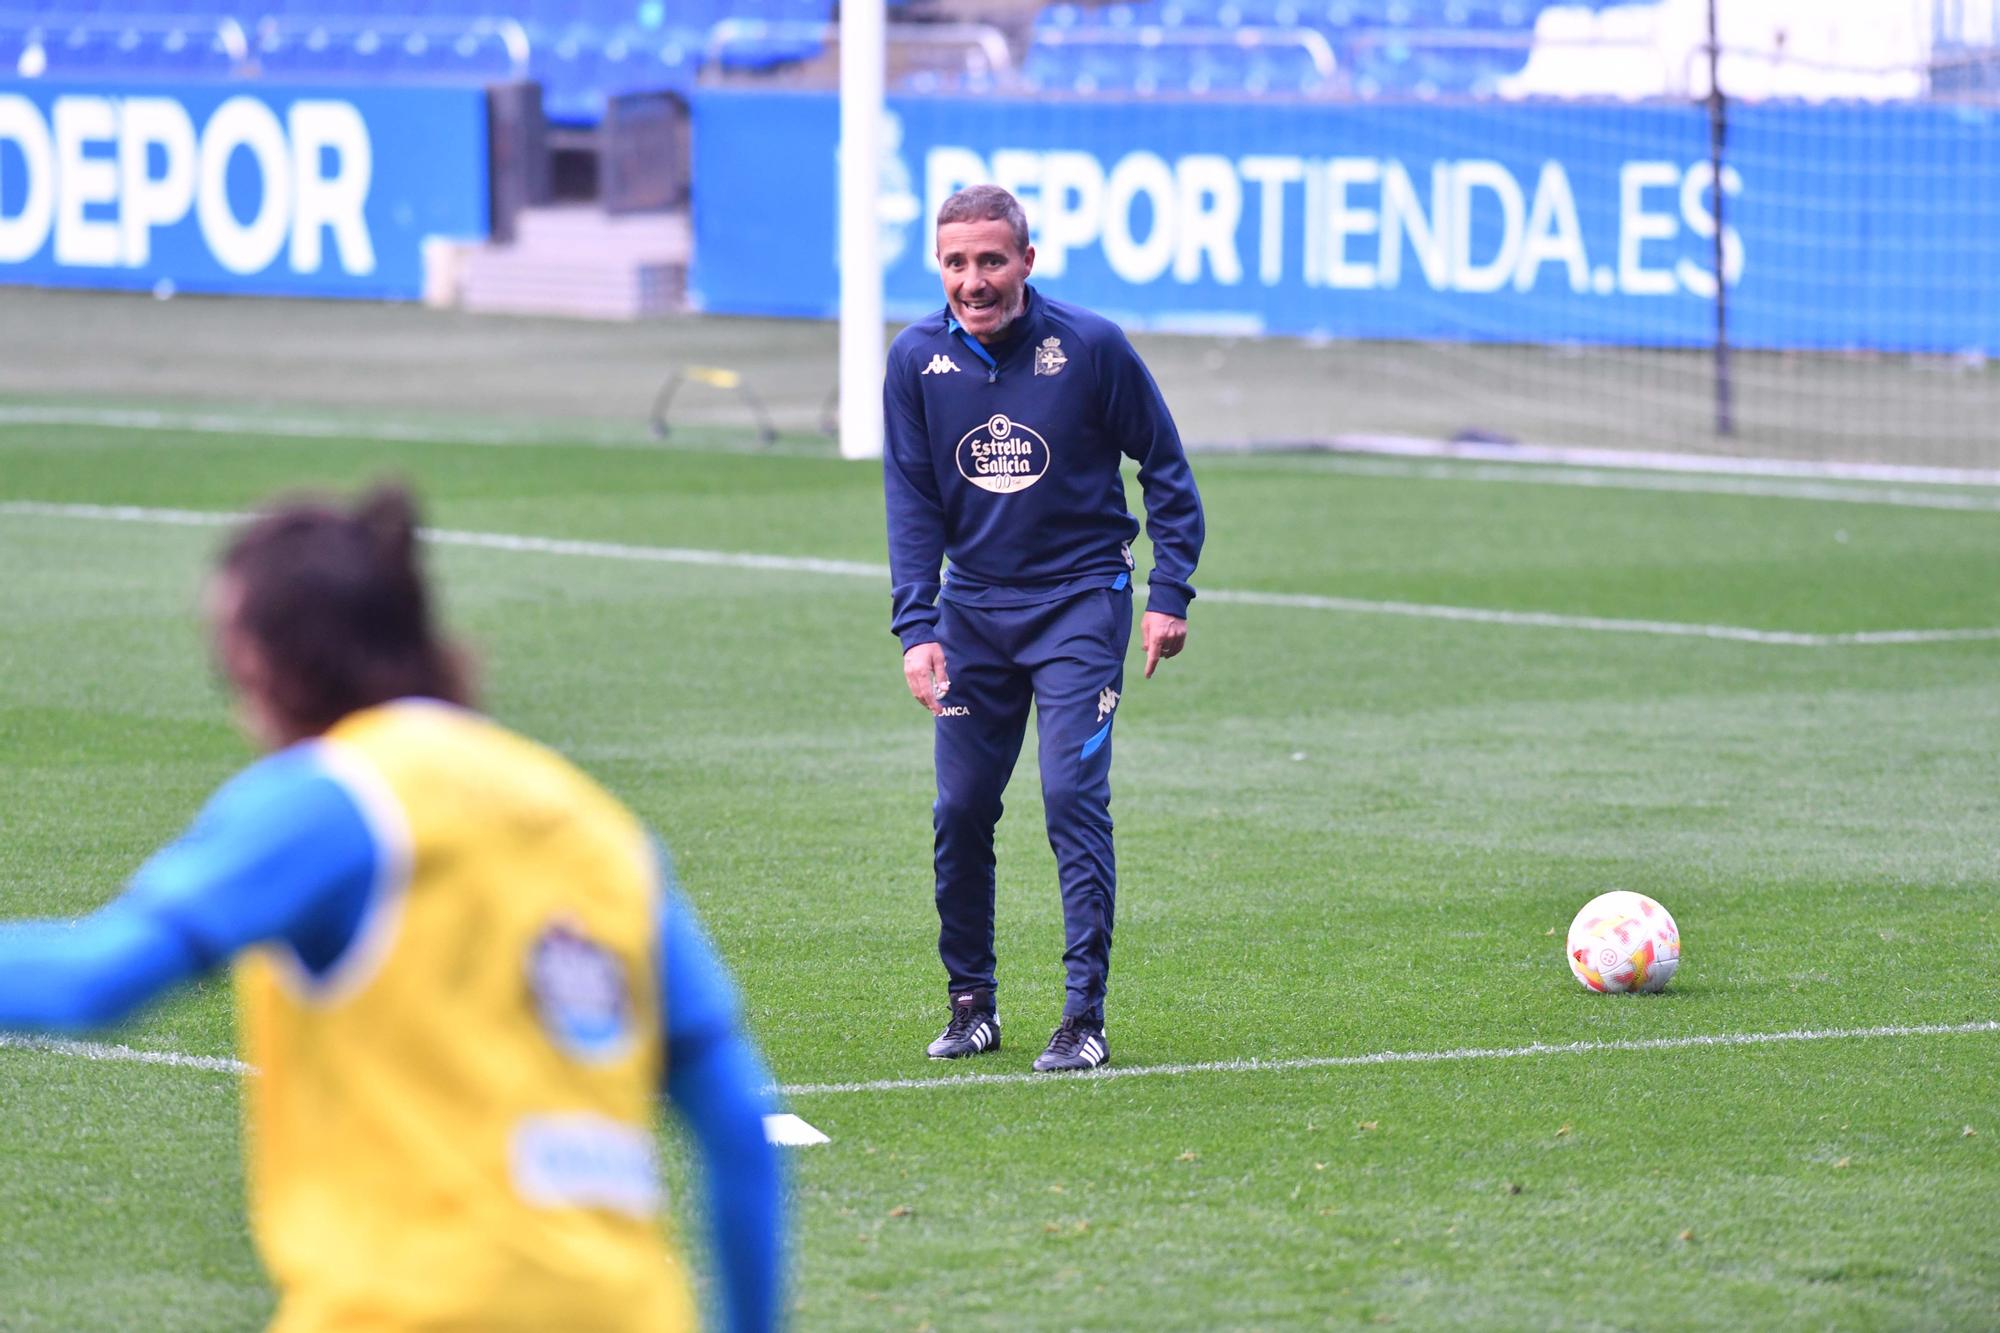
355	49
585	53
1358	48
1811	50
1814	50
1153	59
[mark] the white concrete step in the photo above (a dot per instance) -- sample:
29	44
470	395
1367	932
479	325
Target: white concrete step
643	290
576	261
667	237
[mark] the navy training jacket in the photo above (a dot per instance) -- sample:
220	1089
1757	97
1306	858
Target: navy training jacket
1005	460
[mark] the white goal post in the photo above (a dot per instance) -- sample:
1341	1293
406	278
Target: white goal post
863	47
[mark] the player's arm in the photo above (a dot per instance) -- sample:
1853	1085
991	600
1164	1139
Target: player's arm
915	509
1136	415
282	850
63	976
719	1087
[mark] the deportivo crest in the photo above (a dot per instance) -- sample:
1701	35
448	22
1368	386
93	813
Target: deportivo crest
1049	358
1002	455
1106	702
580	991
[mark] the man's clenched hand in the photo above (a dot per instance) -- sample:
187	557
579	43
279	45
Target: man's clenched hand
1163	636
924	669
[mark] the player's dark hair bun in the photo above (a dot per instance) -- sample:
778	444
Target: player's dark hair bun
336	598
388	515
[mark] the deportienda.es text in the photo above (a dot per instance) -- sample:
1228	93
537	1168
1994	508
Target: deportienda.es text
1471	225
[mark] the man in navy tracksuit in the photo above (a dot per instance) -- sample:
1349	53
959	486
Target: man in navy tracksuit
1008	415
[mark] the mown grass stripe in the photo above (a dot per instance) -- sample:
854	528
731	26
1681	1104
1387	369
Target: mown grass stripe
1564	463
791	564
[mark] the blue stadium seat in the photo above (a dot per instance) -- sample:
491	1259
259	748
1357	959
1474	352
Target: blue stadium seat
464	11
765	52
1286	70
566	69
313	53
1048	67
625	66
190	51
583	51
80	51
1099	69
676	57
1273	13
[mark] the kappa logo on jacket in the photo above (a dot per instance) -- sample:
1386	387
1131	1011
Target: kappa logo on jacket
940	365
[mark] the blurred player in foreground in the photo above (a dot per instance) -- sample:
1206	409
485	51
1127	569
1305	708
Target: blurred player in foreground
462	971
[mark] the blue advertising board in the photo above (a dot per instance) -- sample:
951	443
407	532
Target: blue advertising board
1865	227
298	191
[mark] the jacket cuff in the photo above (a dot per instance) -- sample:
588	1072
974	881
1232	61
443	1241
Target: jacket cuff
1168	597
916	634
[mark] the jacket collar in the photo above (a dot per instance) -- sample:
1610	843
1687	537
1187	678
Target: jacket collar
1019	330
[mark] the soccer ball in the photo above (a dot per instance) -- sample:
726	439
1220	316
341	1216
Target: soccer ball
1624	941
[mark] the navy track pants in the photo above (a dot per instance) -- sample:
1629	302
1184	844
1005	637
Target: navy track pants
1068	658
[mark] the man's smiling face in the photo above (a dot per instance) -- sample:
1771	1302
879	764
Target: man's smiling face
985	275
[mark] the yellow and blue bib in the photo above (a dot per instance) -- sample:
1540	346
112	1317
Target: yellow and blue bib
453	1126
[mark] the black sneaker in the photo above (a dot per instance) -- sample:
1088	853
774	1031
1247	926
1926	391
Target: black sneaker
1078	1043
973	1030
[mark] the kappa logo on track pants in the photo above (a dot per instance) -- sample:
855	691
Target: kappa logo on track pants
1067	658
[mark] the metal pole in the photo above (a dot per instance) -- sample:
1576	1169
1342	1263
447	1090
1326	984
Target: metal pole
862	59
1718	133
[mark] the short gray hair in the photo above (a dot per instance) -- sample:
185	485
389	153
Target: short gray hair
987	203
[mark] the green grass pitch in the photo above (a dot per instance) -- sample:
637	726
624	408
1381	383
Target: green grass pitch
1340	834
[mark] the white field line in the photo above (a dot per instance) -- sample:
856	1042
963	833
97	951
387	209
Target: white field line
1599	624
492	541
500	541
314	428
1408	446
1545	464
1528	474
669	555
125	1055
86	1050
179	518
781	1128
1470	1053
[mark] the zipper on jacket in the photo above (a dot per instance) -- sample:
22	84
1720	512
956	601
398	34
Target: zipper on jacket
978	349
